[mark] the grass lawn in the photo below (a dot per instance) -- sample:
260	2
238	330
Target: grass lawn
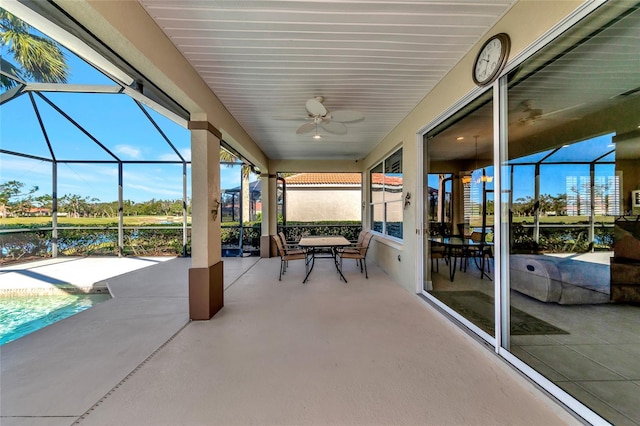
549	220
92	221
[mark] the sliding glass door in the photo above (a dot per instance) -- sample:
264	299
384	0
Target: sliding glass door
572	156
458	158
569	221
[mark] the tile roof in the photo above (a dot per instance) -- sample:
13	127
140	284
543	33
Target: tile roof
325	179
338	179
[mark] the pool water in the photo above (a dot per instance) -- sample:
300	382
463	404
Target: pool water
22	315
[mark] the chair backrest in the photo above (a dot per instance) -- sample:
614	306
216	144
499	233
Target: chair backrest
365	243
361	237
476	236
282	238
281	251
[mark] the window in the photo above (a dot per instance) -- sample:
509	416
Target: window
385	180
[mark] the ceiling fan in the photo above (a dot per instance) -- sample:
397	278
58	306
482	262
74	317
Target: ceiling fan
319	115
531	115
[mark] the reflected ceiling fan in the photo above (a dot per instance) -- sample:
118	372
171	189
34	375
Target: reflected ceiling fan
531	115
319	115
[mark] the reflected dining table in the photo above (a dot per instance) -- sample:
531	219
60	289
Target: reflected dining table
461	247
323	247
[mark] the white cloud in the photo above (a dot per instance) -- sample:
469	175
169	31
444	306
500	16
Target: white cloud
156	191
185	152
128	150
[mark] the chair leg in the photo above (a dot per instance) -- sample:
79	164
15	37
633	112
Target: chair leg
281	267
437	262
366	275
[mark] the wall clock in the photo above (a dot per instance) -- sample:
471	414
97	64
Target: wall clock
491	59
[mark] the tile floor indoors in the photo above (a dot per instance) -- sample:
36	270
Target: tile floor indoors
597	362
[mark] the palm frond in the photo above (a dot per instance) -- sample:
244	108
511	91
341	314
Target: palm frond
40	58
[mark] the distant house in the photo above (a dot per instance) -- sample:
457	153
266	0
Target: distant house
314	197
38	211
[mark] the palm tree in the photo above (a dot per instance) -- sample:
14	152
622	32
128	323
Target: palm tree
37	58
226	156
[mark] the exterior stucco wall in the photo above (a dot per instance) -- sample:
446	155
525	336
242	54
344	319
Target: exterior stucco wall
306	204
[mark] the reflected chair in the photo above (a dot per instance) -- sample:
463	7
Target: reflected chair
437	252
286	257
357	253
480	254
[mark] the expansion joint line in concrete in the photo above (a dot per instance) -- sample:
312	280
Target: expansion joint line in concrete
127	377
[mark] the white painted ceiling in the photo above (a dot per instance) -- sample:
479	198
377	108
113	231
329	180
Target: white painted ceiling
265	59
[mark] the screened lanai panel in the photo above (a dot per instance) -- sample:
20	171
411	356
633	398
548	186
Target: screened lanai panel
21	131
67	140
119	124
585	151
27	171
142	182
179	136
87	184
533	158
80	72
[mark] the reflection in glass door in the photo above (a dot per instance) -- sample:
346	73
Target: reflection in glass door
572	159
458	265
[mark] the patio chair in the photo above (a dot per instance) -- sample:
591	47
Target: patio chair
289	248
286	257
354	248
360	253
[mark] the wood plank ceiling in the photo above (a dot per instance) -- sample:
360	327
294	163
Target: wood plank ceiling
265	59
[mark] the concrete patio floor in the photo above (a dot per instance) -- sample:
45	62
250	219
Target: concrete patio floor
279	353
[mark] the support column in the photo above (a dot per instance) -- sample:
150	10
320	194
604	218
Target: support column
120	211
206	283
267	213
536	208
54	209
185	240
592	206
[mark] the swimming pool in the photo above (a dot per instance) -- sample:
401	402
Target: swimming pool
22	315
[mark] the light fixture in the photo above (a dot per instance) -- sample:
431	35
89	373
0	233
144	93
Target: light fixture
317	136
483	178
459	138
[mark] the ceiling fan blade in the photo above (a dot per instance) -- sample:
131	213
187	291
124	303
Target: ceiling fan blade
334	127
306	128
558	111
290	117
346	115
315	107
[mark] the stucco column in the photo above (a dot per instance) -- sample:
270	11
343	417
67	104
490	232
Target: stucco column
265	238
206	284
269	214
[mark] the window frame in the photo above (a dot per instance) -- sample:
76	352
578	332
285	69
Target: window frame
387	201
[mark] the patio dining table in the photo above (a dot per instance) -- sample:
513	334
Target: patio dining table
316	246
455	247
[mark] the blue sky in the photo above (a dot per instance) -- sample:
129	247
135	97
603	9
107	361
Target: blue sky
116	122
553	179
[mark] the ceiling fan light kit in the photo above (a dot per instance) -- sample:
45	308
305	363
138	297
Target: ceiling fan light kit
329	121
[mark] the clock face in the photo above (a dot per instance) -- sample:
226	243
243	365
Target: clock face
491	59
